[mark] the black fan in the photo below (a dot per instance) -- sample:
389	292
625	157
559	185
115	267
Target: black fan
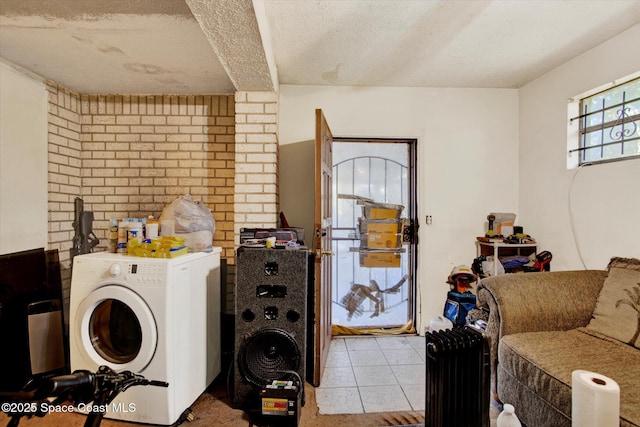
267	355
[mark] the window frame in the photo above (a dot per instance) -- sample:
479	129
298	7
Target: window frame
580	130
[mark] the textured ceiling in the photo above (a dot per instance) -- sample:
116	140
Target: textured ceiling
220	46
115	46
436	43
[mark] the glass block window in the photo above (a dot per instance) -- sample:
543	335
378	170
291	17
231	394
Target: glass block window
610	124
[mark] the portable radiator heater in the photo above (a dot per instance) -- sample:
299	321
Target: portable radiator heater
457	382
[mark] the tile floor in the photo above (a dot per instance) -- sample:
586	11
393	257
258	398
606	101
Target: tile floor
373	374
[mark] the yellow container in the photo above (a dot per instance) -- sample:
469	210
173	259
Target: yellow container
163	247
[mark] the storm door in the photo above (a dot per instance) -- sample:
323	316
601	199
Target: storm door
374	228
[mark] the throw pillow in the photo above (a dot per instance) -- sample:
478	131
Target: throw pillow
617	312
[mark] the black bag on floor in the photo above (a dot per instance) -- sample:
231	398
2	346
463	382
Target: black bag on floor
458	305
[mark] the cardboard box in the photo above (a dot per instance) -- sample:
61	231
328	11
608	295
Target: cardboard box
375	259
366	226
381	211
381	240
375	210
380	234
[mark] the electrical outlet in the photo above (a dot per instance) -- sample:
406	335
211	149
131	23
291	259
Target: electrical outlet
429	220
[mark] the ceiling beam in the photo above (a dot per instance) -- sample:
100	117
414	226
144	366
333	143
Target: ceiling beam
233	32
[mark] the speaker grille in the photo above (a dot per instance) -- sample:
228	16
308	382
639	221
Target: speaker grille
266	355
271	320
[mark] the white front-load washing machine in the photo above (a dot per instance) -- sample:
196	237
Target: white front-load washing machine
156	317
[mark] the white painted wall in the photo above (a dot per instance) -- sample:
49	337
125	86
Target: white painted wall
605	198
23	161
297	181
467	160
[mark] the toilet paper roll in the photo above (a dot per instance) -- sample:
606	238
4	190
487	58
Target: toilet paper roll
595	400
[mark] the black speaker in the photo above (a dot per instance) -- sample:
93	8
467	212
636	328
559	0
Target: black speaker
270	320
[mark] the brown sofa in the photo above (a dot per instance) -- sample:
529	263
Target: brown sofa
537	325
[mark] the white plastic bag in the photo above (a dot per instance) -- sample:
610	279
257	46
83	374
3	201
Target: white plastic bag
191	220
487	267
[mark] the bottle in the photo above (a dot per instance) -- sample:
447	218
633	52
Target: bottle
123	229
113	235
152	228
508	417
167	228
135	232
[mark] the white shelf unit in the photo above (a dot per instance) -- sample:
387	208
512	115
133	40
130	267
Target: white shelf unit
496	247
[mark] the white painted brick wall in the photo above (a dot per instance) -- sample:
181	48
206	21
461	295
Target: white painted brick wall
256	179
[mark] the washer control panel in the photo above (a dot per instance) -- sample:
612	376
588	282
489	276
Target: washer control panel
142	273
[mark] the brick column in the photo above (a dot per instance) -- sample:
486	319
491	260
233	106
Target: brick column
256	176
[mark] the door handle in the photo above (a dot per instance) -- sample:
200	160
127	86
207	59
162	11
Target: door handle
323	252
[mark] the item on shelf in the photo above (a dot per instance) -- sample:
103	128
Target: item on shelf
476	265
289	234
496	221
379	258
460	300
375	210
490	231
113	235
123	230
542	262
192	220
163	247
461	279
458	305
507	230
152	229
499	249
511	262
380	231
519	239
490	239
135	232
492	266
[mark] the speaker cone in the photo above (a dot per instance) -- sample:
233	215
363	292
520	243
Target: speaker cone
266	355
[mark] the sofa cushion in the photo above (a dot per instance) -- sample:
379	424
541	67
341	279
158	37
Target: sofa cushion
543	362
617	312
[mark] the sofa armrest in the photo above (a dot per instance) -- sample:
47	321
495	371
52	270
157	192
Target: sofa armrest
530	302
551	301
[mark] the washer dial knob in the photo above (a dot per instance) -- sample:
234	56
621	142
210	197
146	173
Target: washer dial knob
115	270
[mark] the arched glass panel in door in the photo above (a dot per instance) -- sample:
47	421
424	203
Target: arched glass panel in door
371	268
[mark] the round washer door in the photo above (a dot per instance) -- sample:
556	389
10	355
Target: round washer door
116	328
